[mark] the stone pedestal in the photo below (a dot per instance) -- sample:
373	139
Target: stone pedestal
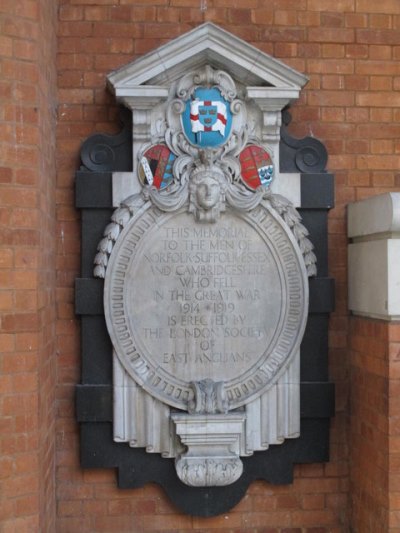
213	443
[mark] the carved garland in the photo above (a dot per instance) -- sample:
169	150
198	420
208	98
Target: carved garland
123	214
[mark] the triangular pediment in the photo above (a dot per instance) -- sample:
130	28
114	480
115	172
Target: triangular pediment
206	44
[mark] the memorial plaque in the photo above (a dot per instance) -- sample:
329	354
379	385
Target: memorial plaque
205	263
187	301
206	289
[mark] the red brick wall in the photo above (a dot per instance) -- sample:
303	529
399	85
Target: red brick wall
350	49
369	443
394	428
374	422
27	265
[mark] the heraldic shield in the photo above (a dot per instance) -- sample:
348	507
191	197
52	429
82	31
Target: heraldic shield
207	118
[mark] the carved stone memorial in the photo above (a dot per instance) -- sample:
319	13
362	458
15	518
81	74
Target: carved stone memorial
205	259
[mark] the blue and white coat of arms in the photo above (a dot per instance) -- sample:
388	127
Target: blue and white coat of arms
207	118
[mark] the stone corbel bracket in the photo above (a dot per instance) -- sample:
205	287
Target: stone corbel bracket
213	442
213	438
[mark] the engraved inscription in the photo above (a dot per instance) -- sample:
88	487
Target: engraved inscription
212	293
187	302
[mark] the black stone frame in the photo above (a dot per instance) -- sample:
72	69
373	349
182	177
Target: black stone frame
102	154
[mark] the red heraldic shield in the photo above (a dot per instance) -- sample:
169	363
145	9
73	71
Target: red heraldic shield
155	167
257	167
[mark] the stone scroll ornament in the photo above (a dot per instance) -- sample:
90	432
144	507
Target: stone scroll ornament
206	290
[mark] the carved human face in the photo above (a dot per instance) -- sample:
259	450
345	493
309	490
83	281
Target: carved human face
207	193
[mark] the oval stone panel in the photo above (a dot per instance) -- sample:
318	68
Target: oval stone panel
186	301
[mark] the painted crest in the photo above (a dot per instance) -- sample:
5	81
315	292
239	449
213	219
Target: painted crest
155	166
257	167
207	118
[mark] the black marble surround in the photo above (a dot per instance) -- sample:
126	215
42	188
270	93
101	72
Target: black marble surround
103	154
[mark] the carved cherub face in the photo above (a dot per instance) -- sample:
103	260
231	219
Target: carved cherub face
208	192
